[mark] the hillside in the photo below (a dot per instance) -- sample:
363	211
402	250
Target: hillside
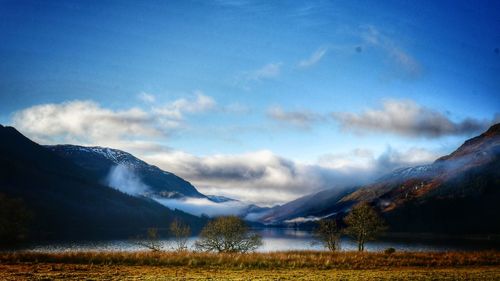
457	194
67	201
100	161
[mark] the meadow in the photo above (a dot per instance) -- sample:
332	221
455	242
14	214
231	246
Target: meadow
294	265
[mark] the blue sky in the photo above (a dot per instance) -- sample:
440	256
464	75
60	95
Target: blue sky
329	88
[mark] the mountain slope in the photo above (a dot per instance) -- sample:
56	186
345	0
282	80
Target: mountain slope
321	204
100	161
457	194
66	201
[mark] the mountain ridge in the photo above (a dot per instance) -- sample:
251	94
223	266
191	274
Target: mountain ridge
101	160
67	202
457	193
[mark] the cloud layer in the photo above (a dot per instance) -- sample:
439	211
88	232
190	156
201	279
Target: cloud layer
83	122
88	123
265	178
407	118
302	119
260	176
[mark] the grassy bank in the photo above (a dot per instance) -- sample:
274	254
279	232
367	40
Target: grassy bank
276	260
87	272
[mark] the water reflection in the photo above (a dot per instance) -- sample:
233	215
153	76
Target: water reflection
274	239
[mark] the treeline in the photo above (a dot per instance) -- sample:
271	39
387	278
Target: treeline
230	234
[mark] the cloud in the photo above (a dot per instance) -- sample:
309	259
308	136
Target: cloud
375	38
147	98
302	119
83	122
203	206
407	118
88	123
123	178
365	164
268	71
259	177
264	178
176	109
314	58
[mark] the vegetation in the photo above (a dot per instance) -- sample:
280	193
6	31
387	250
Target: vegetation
228	235
180	233
16	272
152	240
275	260
363	224
329	233
14	219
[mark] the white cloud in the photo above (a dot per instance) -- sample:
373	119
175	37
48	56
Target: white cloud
374	37
407	118
83	122
147	98
265	178
176	109
314	58
259	176
302	119
203	206
88	123
268	71
364	163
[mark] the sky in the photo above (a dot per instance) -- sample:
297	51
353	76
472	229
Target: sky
262	101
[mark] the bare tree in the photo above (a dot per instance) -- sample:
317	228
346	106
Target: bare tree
152	240
329	234
228	235
363	224
180	232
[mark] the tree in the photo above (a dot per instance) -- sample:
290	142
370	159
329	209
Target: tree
363	224
14	220
152	240
329	234
228	235
180	232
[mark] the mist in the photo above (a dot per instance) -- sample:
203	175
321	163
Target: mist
124	179
203	206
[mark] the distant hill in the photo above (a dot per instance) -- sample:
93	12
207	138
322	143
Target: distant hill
307	208
457	194
101	160
68	201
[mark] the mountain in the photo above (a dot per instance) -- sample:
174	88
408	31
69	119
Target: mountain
457	194
220	199
308	208
66	199
101	161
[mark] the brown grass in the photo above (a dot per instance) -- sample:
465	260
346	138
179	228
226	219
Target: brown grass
46	271
275	260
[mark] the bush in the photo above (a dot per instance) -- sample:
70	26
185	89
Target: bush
389	251
228	235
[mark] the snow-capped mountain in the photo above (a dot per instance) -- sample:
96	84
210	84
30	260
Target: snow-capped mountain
68	201
102	161
457	194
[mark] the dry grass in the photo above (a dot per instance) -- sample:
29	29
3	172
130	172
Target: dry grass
276	260
46	271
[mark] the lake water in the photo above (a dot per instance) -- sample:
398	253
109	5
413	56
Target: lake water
273	240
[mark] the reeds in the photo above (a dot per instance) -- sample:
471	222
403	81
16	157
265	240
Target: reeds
291	259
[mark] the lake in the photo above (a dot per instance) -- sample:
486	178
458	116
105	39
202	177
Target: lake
274	239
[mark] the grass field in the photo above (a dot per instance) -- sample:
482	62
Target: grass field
256	266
